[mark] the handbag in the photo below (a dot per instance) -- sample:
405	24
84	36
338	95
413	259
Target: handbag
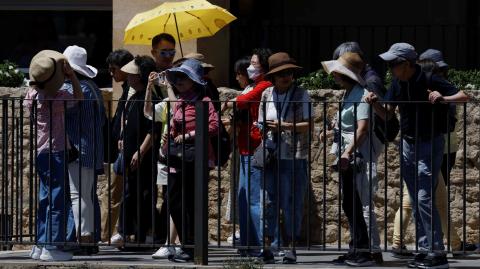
263	158
176	155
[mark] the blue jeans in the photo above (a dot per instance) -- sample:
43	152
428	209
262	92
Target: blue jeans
428	169
250	205
291	198
54	206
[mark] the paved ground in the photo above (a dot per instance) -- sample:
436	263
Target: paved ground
218	259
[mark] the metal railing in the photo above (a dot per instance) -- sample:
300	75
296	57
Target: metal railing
210	185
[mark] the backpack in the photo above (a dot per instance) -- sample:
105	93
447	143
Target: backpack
386	131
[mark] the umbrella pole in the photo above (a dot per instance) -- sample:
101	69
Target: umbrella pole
178	34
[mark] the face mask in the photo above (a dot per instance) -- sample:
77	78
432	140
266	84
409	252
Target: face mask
253	73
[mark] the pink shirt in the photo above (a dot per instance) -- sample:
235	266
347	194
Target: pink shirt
177	120
43	118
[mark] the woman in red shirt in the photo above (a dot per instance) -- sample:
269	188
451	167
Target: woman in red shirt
250	179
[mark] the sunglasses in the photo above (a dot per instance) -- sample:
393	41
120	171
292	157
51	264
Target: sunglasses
178	76
167	53
284	73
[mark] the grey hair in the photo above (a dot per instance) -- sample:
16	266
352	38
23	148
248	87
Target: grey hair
350	46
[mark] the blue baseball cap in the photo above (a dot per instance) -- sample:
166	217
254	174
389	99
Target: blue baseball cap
400	50
434	55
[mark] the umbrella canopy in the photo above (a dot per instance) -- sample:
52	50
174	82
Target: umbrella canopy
184	20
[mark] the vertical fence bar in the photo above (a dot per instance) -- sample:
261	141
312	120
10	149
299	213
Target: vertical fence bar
309	171
385	196
447	179
12	169
415	194
464	208
4	171
20	163
201	183
31	173
65	169
235	174
324	180
219	177
339	218
432	187
109	173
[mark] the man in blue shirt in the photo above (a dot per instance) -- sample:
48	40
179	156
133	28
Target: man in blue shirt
421	100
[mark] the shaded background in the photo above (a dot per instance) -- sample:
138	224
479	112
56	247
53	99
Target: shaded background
308	30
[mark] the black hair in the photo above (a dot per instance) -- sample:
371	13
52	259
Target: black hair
241	66
146	65
119	57
263	54
163	36
428	65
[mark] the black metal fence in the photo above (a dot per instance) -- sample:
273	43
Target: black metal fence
323	226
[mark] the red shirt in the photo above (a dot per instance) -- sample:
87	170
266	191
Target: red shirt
252	100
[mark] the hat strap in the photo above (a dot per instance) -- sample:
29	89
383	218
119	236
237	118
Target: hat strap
290	61
41	84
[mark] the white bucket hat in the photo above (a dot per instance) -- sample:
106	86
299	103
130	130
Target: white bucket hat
349	64
77	57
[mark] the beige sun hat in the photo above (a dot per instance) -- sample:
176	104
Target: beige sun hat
197	56
131	68
46	70
349	64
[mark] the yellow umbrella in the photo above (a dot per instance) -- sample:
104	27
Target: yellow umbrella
186	20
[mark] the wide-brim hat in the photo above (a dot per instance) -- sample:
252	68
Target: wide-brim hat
197	56
280	61
131	68
46	70
77	58
190	67
349	64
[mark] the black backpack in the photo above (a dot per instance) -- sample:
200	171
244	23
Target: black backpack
386	132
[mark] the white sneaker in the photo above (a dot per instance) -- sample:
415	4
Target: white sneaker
35	252
117	239
235	237
55	255
164	253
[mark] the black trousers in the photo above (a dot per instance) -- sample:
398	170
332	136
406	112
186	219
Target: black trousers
352	206
180	195
138	213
